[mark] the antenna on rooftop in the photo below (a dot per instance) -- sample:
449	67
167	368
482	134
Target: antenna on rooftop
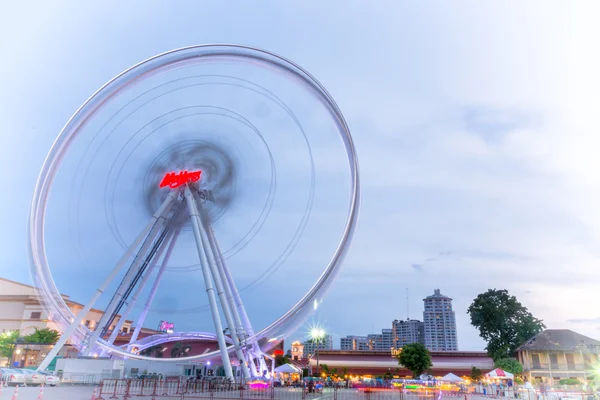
407	317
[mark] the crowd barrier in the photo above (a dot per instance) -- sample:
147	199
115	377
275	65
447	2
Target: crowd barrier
181	389
177	388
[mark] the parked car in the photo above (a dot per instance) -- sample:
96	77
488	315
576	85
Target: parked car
51	380
33	377
13	377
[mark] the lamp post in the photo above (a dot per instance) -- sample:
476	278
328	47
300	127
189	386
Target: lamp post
317	335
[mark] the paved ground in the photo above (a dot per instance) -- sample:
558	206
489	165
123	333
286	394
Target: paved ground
85	393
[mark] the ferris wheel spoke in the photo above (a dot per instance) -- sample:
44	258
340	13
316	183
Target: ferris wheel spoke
141	260
146	276
153	290
66	335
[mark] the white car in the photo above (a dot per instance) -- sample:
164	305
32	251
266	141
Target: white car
51	380
13	377
33	377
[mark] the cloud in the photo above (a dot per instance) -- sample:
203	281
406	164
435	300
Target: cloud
584	321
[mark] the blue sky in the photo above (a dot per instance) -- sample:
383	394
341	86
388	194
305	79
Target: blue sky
475	125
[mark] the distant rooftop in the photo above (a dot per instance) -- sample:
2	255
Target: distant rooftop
559	340
436	295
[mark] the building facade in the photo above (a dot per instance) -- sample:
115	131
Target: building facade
377	363
354	343
21	309
439	323
407	332
311	346
556	354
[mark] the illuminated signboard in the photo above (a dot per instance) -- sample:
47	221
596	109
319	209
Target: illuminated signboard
175	180
396	352
166	327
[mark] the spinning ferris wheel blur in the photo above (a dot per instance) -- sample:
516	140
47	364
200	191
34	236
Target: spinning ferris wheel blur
203	172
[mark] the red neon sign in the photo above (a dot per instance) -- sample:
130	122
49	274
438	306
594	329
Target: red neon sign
174	180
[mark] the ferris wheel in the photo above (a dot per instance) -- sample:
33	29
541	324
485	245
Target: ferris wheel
211	184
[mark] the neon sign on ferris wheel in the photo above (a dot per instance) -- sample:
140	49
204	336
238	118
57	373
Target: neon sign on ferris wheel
175	180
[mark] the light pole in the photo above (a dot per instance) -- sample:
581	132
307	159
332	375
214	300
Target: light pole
317	335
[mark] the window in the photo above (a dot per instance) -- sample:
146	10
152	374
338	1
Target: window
36	315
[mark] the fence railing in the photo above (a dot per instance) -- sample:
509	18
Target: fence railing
178	388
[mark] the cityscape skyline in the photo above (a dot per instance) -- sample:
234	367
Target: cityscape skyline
478	171
437	331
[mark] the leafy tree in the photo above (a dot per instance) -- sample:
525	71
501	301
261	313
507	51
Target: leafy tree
503	322
42	336
7	343
280	360
476	374
415	358
509	364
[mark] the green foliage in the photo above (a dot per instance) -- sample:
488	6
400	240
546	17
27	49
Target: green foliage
510	365
415	358
43	336
503	322
569	382
7	343
280	360
476	374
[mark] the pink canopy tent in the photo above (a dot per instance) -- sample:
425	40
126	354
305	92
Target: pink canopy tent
499	374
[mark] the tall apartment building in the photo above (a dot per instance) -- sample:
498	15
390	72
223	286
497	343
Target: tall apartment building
310	346
407	332
440	323
381	341
354	343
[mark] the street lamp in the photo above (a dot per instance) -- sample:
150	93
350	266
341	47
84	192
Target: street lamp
317	335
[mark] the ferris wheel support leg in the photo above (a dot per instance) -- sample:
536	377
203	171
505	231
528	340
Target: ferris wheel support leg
86	309
158	222
219	279
210	290
253	353
131	303
161	270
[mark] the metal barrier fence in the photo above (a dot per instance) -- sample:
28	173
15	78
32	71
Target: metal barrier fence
182	389
158	389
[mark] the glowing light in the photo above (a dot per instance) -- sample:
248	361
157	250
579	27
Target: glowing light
174	180
257	385
317	332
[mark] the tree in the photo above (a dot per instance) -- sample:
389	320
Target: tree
509	364
415	358
280	360
42	336
476	374
503	322
7	343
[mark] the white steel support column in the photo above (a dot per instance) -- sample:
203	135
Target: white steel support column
242	335
138	290
210	290
161	270
165	206
218	279
133	270
239	306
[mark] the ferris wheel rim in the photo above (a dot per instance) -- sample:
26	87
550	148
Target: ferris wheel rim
37	248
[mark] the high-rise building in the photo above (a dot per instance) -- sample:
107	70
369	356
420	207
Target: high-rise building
354	343
310	346
440	323
407	332
381	341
